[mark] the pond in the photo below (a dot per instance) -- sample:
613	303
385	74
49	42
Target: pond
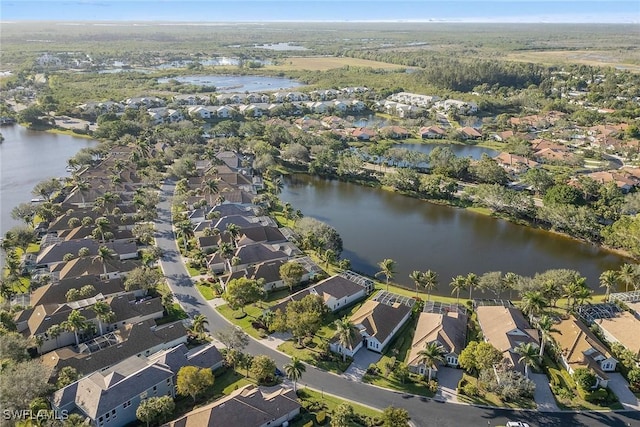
460	150
280	46
376	224
28	157
237	83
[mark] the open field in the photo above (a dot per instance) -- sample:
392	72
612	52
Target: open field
323	63
627	60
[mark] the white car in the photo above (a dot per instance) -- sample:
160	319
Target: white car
517	424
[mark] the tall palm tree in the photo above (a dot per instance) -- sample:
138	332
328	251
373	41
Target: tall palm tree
75	323
458	284
528	356
574	291
103	313
417	277
185	230
105	255
545	326
198	324
82	187
429	282
107	201
225	250
609	281
102	226
430	355
629	276
532	303
347	334
294	370
510	280
387	269
211	186
55	331
472	281
234	231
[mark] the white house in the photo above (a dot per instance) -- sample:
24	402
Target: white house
378	320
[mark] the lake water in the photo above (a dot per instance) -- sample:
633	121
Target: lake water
376	224
460	150
280	46
28	157
237	83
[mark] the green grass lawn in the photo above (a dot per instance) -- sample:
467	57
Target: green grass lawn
192	270
206	291
310	355
320	401
253	312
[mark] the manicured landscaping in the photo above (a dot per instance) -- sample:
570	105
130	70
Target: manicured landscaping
206	291
317	402
309	354
492	399
245	322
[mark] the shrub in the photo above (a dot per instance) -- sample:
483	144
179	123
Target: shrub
373	369
568	381
461	385
584	378
309	424
555	377
470	390
598	396
321	417
432	386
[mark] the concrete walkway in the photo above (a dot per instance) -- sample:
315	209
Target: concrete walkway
361	361
543	395
620	387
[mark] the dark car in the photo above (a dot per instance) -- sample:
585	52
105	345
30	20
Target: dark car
279	373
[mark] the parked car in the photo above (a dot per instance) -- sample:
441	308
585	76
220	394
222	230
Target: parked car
279	373
517	424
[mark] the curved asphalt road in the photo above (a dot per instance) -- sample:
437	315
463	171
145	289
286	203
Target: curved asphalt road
423	412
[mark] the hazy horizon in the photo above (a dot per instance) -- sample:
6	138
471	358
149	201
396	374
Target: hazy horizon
200	11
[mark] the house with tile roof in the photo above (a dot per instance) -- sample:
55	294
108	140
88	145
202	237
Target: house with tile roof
378	320
580	348
623	329
506	328
448	330
337	292
249	406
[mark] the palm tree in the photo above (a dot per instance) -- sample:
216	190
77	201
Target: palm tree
185	230
609	281
105	255
471	282
234	231
457	284
629	276
225	250
107	201
103	313
417	277
198	324
429	282
75	323
102	226
211	186
347	334
528	356
432	354
575	290
545	326
532	303
294	370
82	186
387	269
510	280
55	331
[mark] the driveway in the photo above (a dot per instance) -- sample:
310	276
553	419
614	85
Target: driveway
620	387
448	379
543	395
361	361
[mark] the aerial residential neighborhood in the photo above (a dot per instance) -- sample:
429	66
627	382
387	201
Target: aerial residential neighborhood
303	222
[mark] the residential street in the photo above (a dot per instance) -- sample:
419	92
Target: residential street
423	412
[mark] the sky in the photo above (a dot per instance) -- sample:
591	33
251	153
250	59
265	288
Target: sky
551	11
